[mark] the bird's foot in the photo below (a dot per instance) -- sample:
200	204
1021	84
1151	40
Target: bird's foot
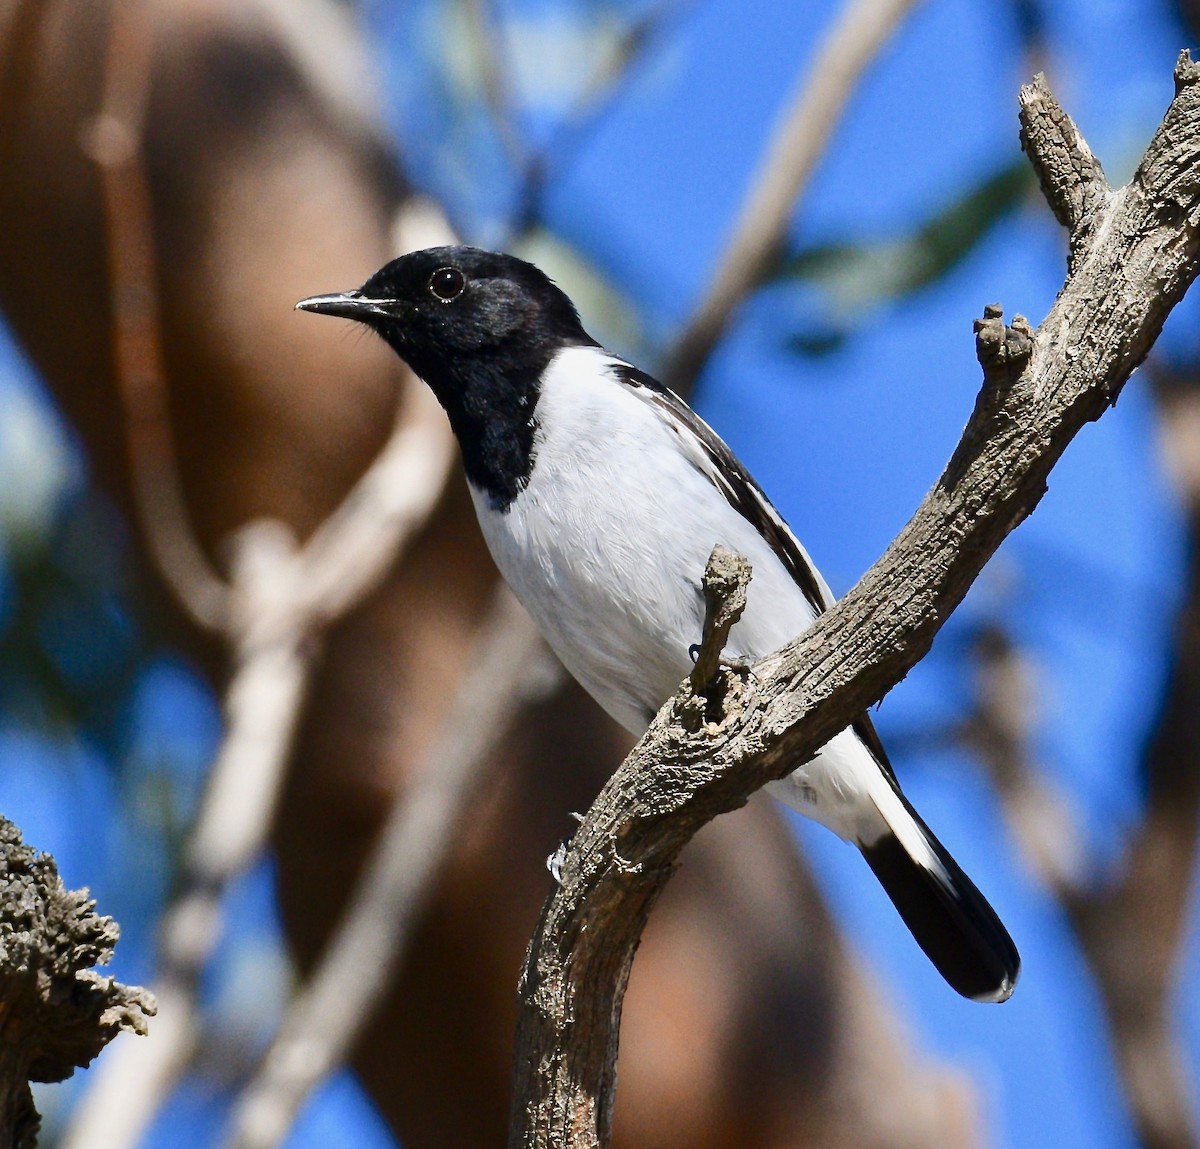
554	863
738	664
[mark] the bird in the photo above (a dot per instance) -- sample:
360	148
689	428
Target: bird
601	494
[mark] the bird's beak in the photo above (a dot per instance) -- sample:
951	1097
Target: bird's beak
346	304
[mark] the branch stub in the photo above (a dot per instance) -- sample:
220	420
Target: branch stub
1187	71
726	579
1070	175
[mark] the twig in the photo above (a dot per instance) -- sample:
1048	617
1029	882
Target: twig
1078	196
726	580
1135	266
1000	732
602	89
326	1017
114	141
862	29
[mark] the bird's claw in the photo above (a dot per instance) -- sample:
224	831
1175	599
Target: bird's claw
738	664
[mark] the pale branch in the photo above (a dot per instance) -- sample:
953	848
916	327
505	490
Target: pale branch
1131	924
1133	931
862	29
113	140
1001	734
326	1017
278	602
325	44
354	548
56	1012
1138	260
348	554
487	41
600	91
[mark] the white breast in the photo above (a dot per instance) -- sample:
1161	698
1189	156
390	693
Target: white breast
607	544
606	547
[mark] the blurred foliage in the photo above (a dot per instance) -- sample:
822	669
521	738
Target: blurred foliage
853	278
82	658
70	648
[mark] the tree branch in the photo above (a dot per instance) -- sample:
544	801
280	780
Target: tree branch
1133	928
1071	177
862	29
726	580
599	92
114	141
1141	253
1000	733
1131	924
325	1018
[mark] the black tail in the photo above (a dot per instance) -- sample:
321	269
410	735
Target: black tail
949	918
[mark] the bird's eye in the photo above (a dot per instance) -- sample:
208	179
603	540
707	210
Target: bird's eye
447	283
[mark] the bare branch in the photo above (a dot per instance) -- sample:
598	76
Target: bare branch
114	141
1142	255
598	94
1040	817
277	604
347	555
349	552
488	44
1133	927
261	706
1133	930
862	29
1072	179
328	1014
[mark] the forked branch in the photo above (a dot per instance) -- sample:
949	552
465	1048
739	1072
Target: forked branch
1135	252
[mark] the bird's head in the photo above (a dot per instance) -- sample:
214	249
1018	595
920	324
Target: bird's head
447	310
480	328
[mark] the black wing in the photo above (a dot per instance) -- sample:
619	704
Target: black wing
721	467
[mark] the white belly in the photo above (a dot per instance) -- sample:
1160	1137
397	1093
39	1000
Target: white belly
609	564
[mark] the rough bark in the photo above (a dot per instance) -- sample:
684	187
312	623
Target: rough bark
1133	254
56	1011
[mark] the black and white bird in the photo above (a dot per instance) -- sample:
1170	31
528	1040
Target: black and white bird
601	495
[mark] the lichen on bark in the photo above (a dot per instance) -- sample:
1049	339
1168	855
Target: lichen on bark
56	1011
